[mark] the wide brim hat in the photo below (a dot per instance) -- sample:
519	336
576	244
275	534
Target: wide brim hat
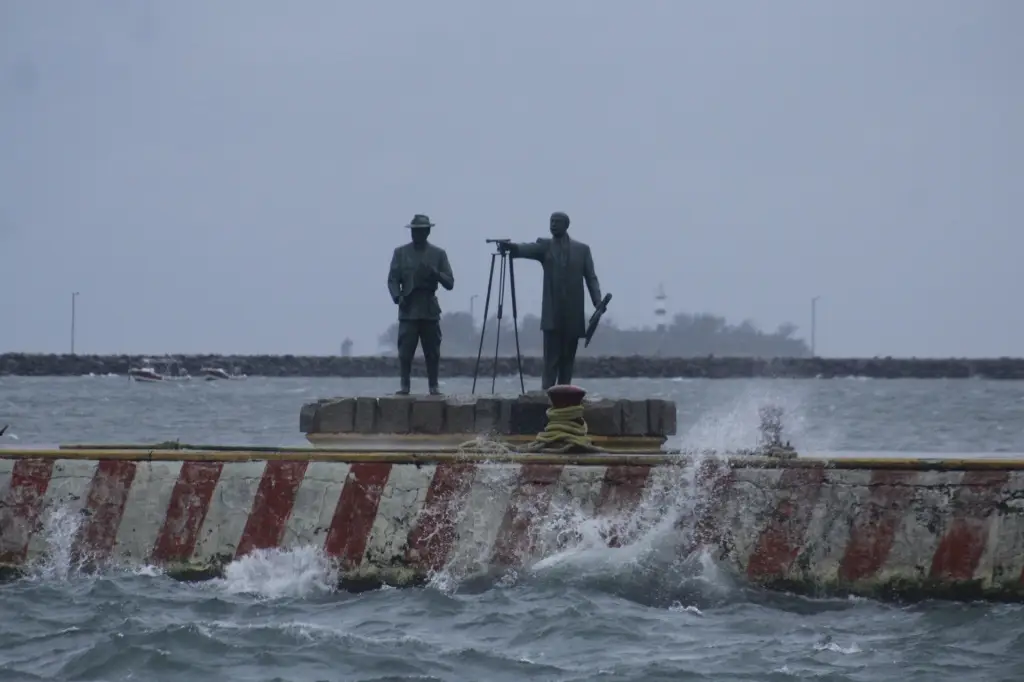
419	220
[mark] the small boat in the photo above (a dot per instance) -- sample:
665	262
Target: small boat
217	373
158	370
144	374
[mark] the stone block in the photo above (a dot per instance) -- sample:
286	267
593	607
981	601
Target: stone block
337	416
668	418
366	415
654	411
528	415
603	417
661	417
309	419
427	416
460	416
505	415
493	415
394	414
634	417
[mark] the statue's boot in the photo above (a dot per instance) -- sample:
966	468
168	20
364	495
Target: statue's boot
405	370
432	372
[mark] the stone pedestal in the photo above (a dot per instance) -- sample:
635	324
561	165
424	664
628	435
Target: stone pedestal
445	422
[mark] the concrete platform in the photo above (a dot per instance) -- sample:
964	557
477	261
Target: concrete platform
445	422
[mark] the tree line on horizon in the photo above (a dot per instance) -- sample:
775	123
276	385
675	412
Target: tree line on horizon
685	335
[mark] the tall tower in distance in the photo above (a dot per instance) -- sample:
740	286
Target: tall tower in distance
660	313
659	308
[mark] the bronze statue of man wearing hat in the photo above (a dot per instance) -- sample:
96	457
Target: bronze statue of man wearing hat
416	270
567	266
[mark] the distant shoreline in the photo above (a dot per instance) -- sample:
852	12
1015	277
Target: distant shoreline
25	364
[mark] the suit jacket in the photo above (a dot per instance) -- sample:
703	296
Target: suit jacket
407	280
562	306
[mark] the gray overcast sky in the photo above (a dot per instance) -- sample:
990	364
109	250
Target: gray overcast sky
232	176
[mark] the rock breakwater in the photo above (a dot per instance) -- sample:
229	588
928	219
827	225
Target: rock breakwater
24	364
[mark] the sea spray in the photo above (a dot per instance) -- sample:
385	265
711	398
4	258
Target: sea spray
660	541
277	573
57	561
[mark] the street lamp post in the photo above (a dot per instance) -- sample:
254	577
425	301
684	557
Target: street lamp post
471	300
814	325
74	296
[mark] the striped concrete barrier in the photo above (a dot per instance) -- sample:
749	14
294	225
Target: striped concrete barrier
883	527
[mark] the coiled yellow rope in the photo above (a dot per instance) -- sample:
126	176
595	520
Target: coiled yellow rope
566	431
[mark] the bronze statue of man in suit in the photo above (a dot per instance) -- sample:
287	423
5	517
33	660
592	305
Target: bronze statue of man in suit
416	270
567	265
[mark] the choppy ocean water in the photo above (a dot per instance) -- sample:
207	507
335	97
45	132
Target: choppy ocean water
593	613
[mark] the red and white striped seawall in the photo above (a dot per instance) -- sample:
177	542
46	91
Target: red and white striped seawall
861	528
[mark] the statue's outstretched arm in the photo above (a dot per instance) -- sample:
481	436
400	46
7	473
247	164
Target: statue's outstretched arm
535	251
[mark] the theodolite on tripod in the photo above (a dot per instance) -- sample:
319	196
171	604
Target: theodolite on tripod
506	261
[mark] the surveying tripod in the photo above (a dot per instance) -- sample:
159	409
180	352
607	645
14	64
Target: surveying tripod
506	260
